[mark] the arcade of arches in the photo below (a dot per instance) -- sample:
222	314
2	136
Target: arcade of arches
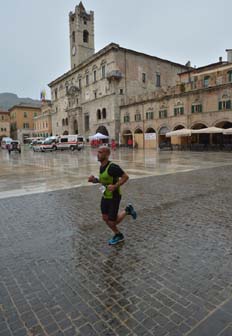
219	139
150	137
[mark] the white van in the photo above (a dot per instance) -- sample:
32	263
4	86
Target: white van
70	142
6	141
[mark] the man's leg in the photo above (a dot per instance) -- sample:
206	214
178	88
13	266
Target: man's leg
112	221
111	224
121	216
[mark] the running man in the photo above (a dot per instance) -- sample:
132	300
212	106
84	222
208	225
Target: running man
112	177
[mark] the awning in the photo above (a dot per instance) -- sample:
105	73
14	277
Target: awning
227	131
208	130
180	132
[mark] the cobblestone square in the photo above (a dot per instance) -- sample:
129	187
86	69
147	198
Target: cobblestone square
172	275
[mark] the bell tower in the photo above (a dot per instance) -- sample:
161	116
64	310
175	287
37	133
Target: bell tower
81	35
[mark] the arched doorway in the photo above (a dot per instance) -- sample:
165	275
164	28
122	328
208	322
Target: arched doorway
179	141
223	140
127	137
150	138
202	139
75	127
65	132
138	138
102	130
162	136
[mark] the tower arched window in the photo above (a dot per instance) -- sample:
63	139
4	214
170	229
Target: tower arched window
103	113
98	114
73	36
63	122
66	121
85	36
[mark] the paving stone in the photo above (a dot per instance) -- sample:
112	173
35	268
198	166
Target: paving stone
87	330
227	331
172	276
213	325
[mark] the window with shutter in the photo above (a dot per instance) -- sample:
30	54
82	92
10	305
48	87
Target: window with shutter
228	104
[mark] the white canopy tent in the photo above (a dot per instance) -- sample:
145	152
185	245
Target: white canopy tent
98	136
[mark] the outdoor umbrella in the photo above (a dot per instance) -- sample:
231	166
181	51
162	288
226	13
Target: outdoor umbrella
180	132
208	130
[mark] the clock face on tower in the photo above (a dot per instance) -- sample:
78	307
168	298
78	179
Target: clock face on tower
73	50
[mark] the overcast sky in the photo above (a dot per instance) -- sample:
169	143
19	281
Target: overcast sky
34	38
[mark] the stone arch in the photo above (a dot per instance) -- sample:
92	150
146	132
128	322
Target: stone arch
139	138
198	125
203	139
127	135
65	132
163	130
223	140
150	130
223	124
103	130
178	127
162	135
150	138
138	131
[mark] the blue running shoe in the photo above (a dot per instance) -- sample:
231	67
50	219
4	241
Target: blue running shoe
131	211
116	239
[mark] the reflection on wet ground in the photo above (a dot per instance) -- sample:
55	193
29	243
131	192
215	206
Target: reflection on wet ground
38	172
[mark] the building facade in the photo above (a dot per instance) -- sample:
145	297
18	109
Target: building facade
22	121
202	98
43	121
4	124
89	96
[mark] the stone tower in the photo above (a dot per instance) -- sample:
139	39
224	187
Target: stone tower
81	30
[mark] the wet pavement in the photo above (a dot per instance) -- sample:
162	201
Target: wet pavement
30	172
172	275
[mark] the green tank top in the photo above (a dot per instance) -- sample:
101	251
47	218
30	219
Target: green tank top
105	179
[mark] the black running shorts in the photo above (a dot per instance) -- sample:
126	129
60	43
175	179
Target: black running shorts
110	207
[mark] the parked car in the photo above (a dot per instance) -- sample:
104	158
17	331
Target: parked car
35	141
71	142
5	142
49	144
36	145
14	146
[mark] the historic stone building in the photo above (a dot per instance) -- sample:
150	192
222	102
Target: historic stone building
201	98
4	124
87	98
22	121
43	120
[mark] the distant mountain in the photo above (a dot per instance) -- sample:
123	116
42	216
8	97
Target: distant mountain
7	100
